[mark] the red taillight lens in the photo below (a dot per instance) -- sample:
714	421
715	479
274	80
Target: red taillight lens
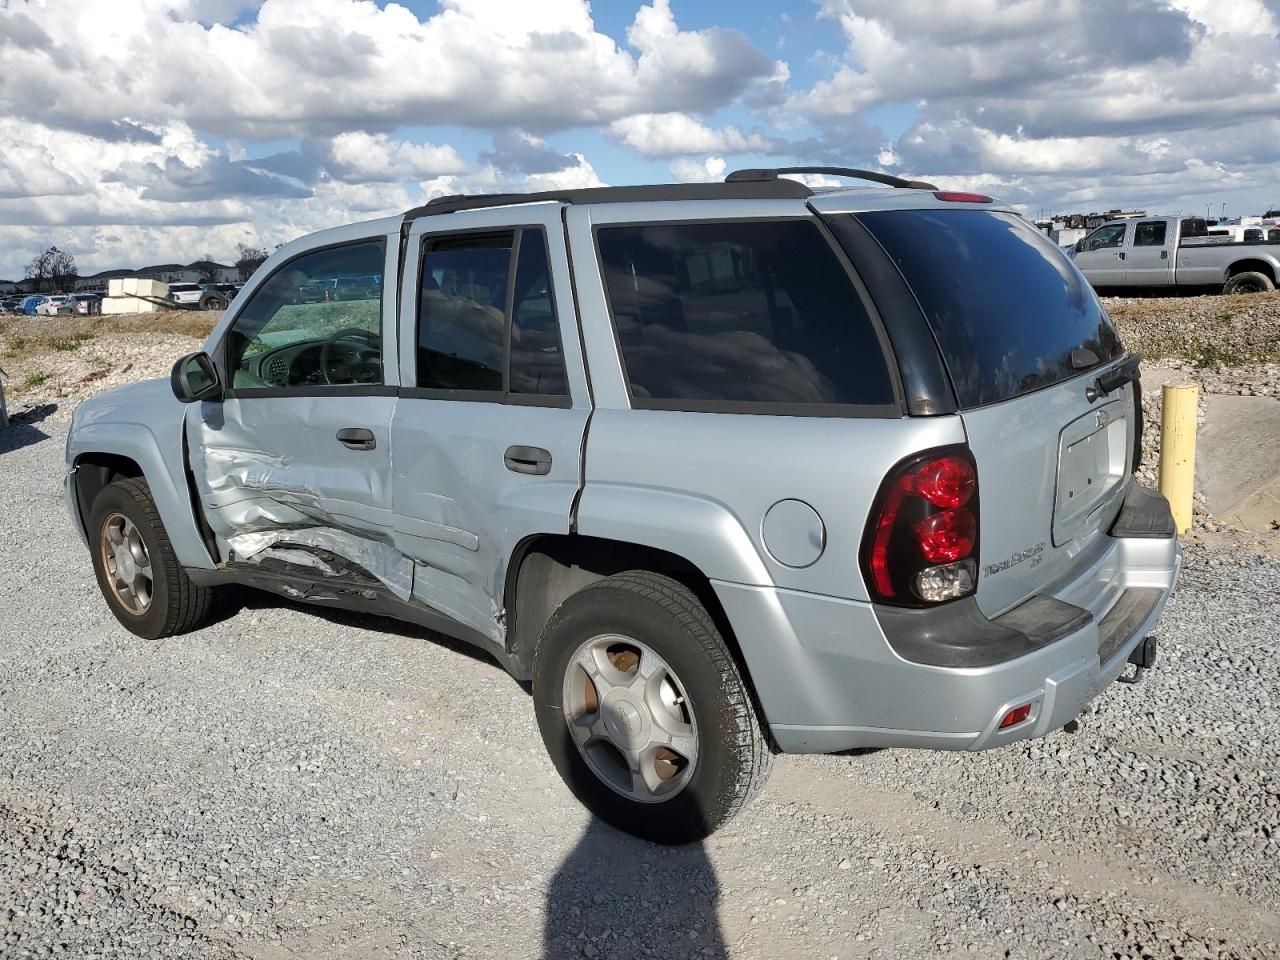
946	482
947	536
922	540
958	196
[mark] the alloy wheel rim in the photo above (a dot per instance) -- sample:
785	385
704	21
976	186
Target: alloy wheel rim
128	564
630	718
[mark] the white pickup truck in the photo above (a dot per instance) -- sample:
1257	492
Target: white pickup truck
1178	252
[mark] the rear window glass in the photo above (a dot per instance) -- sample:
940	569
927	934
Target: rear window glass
1149	234
1007	307
728	315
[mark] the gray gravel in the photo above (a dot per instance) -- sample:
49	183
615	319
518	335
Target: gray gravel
287	783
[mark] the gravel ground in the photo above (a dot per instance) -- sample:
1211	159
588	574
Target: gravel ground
287	783
1205	330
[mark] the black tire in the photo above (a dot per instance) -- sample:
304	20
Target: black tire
1249	282
176	604
213	302
733	758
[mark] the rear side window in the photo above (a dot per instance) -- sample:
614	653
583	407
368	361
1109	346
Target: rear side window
738	315
1006	306
486	317
1149	234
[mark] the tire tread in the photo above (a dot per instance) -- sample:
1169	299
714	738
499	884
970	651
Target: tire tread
189	603
679	602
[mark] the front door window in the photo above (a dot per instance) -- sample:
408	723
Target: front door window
315	323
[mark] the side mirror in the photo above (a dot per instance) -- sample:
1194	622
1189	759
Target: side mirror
194	377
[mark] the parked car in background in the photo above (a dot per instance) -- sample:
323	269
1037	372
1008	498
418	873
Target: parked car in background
202	296
84	303
185	294
356	288
218	296
1179	252
766	469
29	304
50	306
317	291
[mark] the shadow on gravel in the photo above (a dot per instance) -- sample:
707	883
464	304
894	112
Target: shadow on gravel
618	897
232	599
21	431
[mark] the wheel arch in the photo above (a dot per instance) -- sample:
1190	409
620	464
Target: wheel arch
546	569
1263	266
94	471
102	453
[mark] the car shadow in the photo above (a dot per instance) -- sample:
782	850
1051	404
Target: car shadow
619	897
231	599
22	431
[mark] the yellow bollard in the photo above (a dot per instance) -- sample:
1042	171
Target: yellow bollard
1178	448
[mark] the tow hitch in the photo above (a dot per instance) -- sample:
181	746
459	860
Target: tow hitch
1143	659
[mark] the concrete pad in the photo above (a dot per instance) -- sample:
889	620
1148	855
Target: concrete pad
1238	460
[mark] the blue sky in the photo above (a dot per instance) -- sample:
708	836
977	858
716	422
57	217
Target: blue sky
134	131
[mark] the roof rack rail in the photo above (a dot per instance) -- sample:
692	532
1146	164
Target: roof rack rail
747	176
761	188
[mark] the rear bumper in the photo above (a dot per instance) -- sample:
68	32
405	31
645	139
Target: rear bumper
831	674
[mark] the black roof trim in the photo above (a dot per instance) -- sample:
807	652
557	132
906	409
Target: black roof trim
739	190
768	174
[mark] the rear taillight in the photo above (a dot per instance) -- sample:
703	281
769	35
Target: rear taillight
921	543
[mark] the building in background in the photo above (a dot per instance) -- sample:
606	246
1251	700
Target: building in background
201	271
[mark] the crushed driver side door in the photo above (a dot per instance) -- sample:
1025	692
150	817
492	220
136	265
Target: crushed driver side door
293	465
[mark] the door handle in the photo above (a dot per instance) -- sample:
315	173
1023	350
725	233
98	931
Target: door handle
357	438
1120	255
1164	254
532	460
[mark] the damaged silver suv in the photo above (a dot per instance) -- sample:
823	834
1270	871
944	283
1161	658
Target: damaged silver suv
721	470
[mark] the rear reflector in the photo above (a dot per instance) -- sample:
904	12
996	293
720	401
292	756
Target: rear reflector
1016	716
956	196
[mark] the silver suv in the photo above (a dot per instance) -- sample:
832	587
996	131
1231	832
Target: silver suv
721	470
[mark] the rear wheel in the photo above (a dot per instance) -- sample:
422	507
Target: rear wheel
214	302
644	711
140	578
1249	282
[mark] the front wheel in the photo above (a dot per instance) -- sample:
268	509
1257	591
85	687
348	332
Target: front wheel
1250	282
144	585
644	711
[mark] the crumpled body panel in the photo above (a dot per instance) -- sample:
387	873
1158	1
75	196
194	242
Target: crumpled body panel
275	484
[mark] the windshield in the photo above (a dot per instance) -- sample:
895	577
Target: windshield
1007	307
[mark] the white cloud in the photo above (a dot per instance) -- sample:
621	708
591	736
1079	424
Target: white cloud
576	173
308	67
360	157
698	171
677	134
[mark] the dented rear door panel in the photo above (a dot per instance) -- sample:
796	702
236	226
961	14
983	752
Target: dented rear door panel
459	510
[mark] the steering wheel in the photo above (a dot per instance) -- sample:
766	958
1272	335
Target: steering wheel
351	356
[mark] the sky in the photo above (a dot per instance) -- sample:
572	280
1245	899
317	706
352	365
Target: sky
135	132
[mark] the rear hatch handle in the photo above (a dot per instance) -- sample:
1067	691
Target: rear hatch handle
1113	379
